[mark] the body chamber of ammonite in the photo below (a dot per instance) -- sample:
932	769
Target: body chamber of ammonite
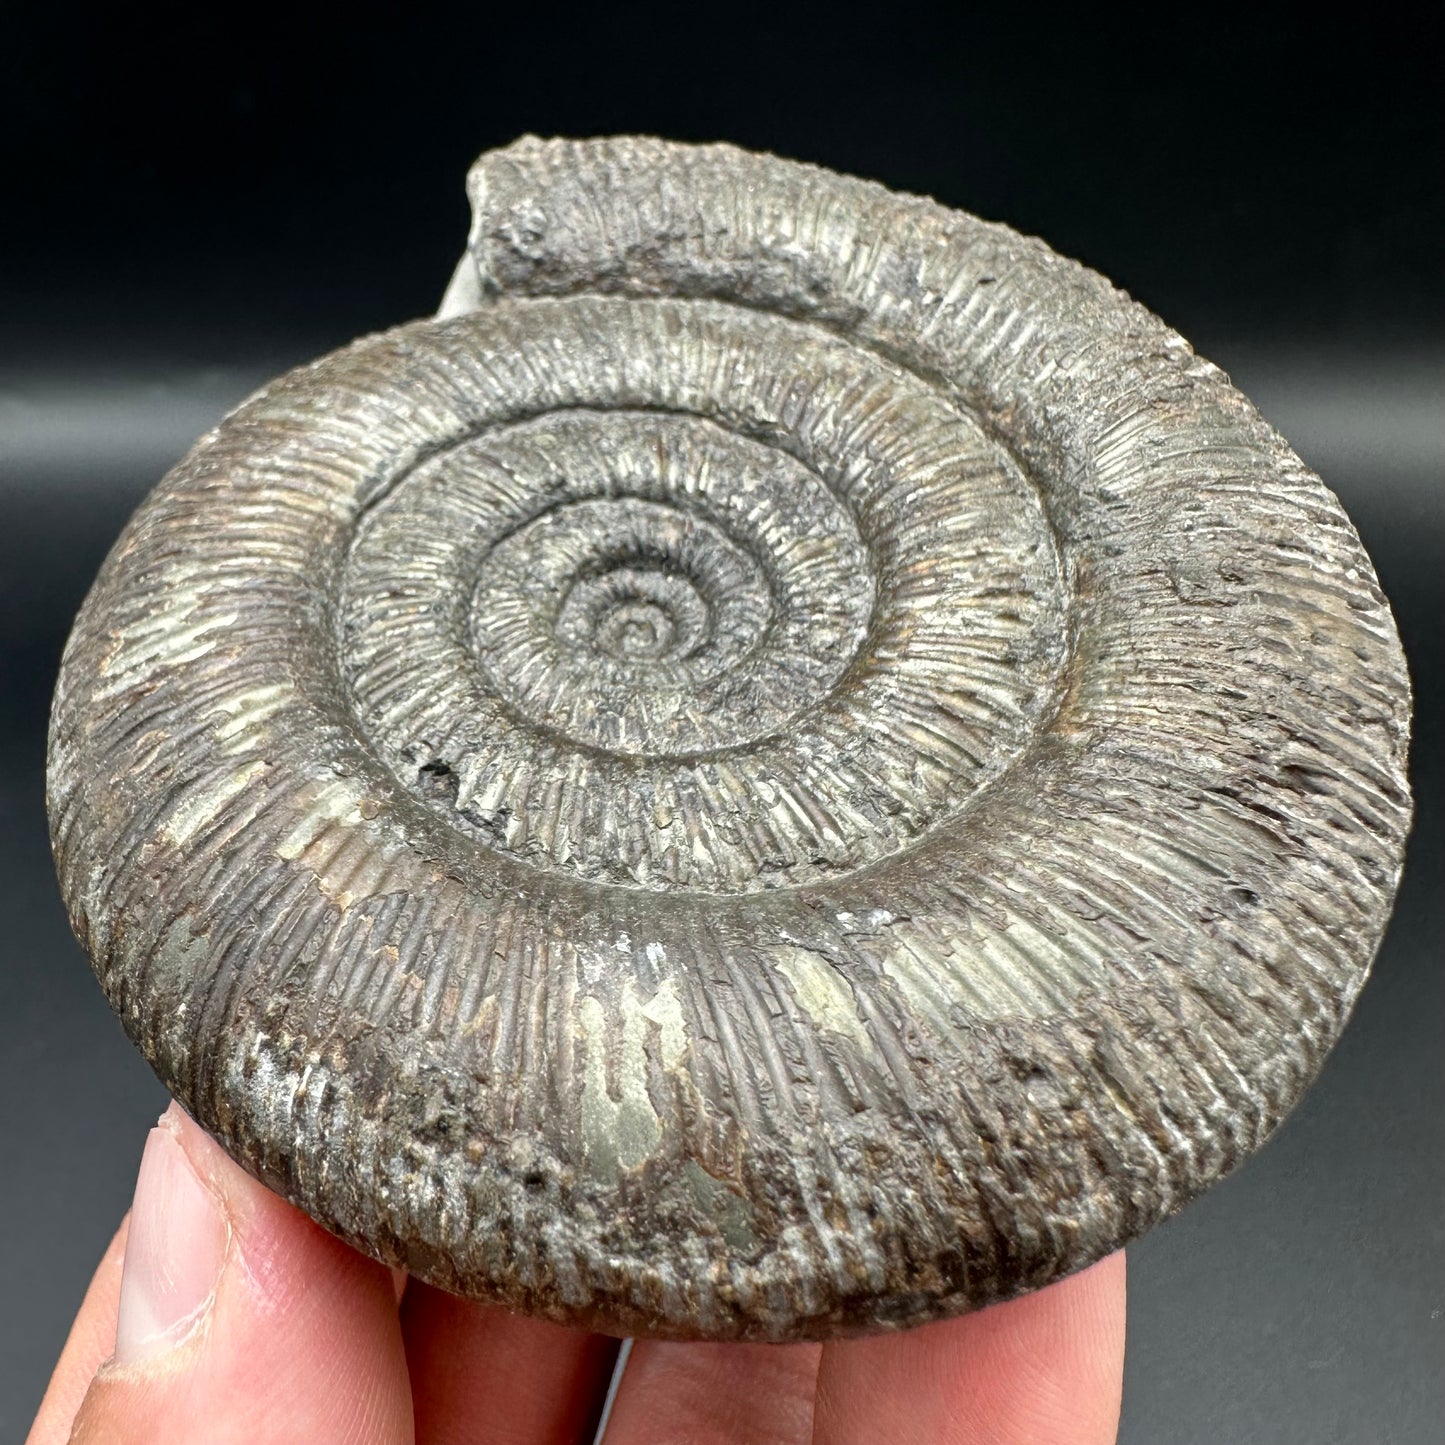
792	763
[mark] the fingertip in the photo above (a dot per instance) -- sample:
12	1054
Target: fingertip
179	1236
239	1317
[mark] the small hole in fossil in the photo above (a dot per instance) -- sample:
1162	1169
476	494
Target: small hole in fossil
437	779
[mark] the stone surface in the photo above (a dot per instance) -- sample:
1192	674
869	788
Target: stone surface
793	763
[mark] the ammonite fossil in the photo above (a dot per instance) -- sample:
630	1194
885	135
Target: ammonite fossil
792	763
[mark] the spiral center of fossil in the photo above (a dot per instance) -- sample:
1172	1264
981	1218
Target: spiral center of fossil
635	627
606	617
638	613
729	605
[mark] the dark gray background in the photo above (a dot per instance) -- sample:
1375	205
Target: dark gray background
194	202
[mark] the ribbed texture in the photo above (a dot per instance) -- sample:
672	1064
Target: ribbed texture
805	768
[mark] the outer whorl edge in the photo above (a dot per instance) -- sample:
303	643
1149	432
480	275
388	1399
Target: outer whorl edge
793	763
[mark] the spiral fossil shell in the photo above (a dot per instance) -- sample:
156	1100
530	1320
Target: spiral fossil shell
793	763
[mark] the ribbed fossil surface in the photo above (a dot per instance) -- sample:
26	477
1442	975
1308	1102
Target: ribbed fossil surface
794	763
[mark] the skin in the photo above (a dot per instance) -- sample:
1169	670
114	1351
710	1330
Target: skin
303	1339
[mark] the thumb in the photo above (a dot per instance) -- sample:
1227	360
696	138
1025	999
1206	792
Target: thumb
240	1320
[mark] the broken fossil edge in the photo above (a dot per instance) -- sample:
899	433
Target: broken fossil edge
501	935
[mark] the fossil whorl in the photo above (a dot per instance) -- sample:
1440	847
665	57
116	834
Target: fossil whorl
793	763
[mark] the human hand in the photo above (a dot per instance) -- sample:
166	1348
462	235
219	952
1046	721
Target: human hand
220	1314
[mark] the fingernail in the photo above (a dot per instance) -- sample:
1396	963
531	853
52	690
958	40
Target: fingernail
173	1253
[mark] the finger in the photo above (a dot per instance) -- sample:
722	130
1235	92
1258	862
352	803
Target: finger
87	1347
240	1320
1048	1366
483	1374
715	1395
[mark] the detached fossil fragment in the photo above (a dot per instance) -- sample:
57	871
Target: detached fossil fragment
792	763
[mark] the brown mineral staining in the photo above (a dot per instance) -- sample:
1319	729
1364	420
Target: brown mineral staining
793	764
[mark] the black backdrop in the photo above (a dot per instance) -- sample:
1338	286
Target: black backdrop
194	199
